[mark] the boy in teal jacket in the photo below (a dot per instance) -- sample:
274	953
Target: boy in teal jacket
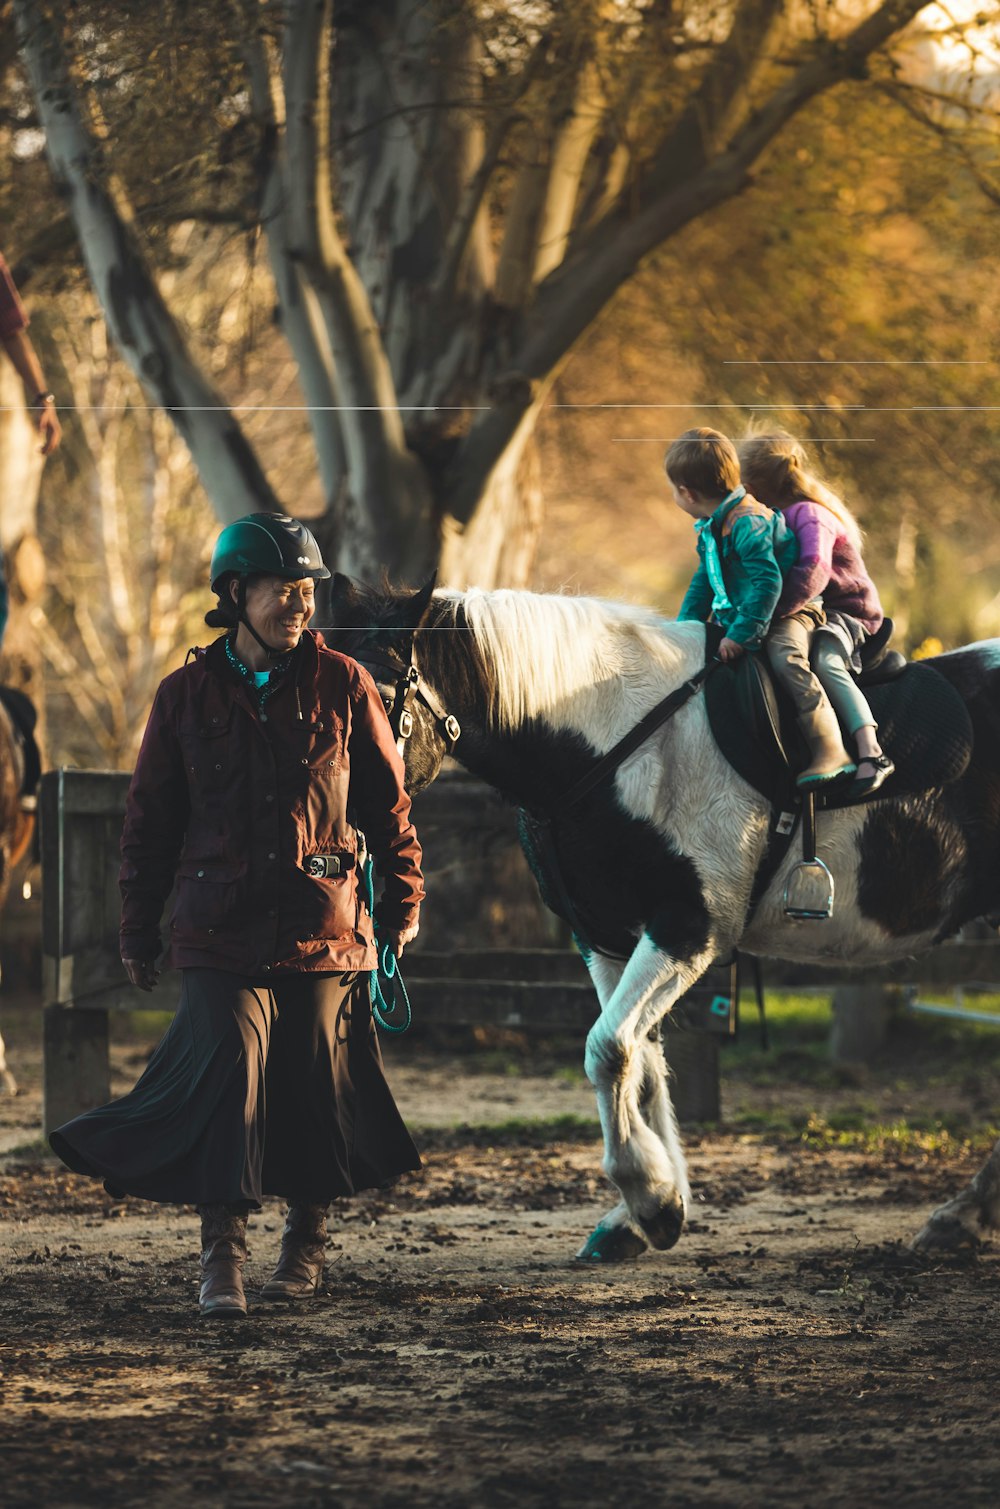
744	550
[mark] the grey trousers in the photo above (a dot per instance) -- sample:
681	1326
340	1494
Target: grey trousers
787	648
815	671
829	660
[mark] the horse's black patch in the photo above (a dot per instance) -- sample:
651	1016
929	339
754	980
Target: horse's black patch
912	860
621	875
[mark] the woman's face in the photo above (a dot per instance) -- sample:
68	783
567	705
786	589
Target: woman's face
280	610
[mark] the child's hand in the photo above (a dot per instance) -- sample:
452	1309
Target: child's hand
729	650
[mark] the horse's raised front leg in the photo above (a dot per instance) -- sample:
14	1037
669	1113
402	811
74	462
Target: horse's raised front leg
647	1165
616	1238
973	1214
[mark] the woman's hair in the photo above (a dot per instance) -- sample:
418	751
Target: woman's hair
705	461
773	467
225	614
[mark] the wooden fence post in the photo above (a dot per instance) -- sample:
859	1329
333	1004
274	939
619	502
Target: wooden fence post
860	1022
694	1061
76	1074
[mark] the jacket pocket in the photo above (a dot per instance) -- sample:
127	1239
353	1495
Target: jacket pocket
207	743
327	906
207	895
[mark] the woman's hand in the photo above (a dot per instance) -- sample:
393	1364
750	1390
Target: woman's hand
729	649
142	972
398	941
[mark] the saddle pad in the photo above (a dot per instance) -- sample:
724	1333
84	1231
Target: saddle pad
923	724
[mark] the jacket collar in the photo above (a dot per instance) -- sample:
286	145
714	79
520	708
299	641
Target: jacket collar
728	503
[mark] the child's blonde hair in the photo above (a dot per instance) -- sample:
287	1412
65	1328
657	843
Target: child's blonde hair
773	467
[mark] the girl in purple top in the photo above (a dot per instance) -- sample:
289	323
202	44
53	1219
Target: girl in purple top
829	579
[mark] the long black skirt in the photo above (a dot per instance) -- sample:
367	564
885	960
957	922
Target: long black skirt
255	1090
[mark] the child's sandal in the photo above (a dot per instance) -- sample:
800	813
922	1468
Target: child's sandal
882	768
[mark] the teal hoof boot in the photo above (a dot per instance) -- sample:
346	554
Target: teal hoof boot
612	1244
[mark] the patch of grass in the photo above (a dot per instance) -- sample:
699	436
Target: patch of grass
139	1026
855	1129
570	1074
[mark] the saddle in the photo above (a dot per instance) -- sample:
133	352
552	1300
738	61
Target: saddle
923	724
23	716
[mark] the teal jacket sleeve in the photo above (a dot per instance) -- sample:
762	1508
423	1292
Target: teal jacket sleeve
759	581
698	598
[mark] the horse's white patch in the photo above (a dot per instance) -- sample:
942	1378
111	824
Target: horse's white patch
577	661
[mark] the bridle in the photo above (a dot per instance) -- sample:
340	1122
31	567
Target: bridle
410	688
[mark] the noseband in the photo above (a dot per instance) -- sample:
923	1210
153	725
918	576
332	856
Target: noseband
410	688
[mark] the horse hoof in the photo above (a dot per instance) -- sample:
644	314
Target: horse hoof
662	1229
944	1234
612	1244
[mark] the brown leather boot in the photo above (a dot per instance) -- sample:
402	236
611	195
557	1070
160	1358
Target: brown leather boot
223	1253
303	1249
830	760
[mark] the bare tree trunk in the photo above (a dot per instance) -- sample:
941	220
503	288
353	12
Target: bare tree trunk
498	547
143	327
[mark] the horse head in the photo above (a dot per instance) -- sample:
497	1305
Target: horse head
380	628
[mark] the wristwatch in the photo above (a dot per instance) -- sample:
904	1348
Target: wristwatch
42	398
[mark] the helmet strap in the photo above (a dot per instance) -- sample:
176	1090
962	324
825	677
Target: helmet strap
241	618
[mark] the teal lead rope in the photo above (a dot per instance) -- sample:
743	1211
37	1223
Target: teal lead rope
386	975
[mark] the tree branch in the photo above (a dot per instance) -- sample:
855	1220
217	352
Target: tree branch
143	327
572	296
383	474
298	310
474	192
909	100
58	237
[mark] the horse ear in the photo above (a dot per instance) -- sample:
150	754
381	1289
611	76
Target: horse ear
346	604
343	592
420	601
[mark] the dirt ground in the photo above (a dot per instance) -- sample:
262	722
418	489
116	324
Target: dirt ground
788	1351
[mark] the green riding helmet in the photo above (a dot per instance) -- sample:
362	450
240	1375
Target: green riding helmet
267	544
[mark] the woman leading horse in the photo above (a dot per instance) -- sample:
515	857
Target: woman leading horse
264	760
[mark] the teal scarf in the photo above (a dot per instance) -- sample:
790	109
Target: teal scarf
710	548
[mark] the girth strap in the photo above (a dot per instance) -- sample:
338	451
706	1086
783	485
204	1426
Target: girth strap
631	742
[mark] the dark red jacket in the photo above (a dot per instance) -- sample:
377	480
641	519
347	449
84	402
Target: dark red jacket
230	802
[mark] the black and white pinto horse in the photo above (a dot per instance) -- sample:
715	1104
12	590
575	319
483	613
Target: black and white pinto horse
16	828
668	846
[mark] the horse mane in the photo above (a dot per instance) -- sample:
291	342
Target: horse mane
531	652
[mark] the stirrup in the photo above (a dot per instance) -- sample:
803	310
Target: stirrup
809	888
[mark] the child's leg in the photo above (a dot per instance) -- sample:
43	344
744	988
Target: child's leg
829	661
787	650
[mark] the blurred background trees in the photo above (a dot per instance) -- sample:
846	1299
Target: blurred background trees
461	222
